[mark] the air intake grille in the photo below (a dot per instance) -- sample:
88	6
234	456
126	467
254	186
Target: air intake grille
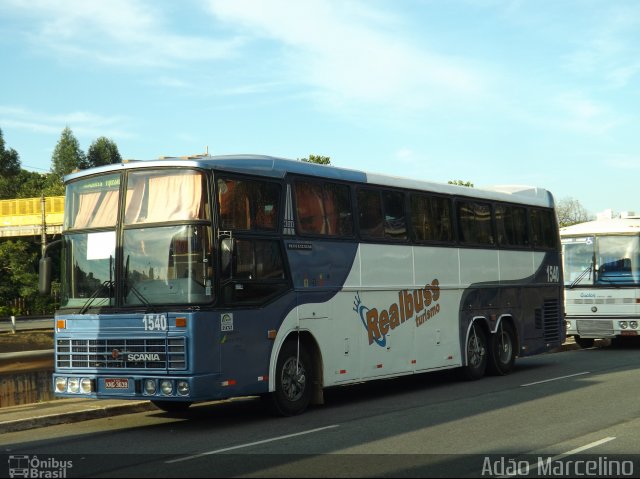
552	322
143	353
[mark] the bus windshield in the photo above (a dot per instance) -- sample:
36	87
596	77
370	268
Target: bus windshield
163	252
608	260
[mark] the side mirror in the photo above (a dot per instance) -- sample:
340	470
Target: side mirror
44	276
45	268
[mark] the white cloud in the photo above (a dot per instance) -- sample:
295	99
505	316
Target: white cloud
351	52
122	32
84	124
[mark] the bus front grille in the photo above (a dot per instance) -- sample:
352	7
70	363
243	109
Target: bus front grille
595	327
136	353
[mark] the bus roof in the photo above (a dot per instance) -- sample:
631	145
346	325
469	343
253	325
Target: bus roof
275	167
630	225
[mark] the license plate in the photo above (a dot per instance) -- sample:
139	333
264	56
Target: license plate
116	383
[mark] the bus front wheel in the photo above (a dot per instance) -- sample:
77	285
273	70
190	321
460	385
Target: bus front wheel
584	342
476	351
294	381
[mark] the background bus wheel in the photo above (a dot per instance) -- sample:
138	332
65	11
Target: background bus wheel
584	342
476	349
172	406
294	381
502	350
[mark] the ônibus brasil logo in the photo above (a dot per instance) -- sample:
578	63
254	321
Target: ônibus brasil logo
419	303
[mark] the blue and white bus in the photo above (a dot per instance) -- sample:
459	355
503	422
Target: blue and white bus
188	280
602	279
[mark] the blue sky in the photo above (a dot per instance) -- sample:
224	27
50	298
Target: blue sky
537	92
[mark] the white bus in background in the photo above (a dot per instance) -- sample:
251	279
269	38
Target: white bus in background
602	278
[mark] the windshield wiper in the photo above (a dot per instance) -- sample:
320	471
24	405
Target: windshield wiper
105	284
582	275
133	289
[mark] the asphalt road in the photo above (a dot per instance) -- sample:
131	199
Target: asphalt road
552	414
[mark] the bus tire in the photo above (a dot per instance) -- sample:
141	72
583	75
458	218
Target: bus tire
476	354
172	406
502	350
293	384
584	342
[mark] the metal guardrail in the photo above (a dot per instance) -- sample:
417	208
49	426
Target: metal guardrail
25	323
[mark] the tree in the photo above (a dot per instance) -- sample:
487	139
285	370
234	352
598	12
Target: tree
18	277
571	212
9	169
321	160
460	183
103	151
67	156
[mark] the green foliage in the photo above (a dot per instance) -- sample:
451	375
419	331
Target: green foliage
67	156
9	169
18	277
460	183
103	151
321	160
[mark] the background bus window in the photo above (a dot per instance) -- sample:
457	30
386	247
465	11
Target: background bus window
474	223
618	258
511	225
431	218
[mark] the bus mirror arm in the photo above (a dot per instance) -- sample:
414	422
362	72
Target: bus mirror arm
44	270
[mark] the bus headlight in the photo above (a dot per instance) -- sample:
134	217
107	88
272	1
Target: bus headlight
61	384
73	385
623	324
150	386
166	387
86	385
183	388
634	324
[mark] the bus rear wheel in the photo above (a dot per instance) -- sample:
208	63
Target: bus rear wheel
502	350
294	381
476	351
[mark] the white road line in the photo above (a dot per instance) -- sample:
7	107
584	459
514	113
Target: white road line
533	468
555	379
241	446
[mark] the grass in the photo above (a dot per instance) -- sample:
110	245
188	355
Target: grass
25	341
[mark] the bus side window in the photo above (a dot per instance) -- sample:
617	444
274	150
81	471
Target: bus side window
310	208
543	227
431	218
511	225
370	217
395	220
474	223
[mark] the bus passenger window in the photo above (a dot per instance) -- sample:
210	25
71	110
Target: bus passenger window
511	225
431	218
395	221
474	223
543	226
323	209
248	205
370	214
